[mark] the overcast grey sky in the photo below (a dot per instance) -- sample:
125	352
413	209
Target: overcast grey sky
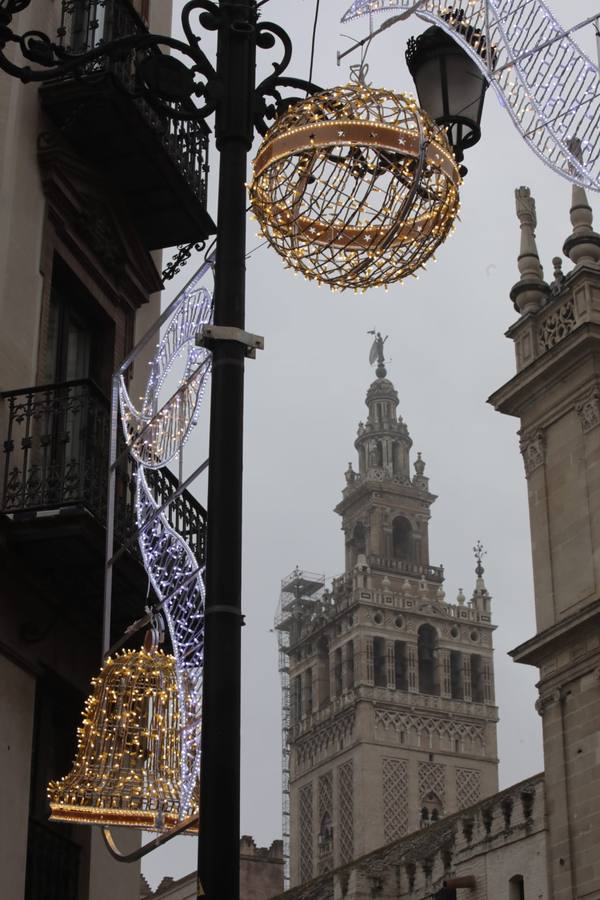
305	396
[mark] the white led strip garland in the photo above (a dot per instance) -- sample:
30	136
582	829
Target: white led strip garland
550	88
155	436
178	582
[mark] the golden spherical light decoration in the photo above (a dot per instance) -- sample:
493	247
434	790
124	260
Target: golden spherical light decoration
355	187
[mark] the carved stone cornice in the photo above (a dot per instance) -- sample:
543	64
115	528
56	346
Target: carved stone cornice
450	729
588	410
545	701
533	450
309	747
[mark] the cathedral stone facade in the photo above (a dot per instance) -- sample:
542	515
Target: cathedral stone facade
392	716
556	396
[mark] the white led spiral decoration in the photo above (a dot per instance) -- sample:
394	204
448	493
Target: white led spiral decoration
177	581
550	88
154	437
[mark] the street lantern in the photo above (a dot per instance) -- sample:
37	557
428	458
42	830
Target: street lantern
449	83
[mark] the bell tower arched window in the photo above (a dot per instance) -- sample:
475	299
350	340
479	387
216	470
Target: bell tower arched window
323	683
402	541
427	653
325	839
359	538
516	888
431	810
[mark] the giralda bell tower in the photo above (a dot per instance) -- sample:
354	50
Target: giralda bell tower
388	688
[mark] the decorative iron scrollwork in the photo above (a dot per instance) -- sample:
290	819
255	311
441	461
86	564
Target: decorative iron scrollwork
175	90
171	87
265	112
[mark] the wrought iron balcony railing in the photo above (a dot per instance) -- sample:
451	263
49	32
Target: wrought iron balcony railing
56	456
52	864
87	24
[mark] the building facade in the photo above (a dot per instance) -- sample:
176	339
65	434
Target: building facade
556	397
538	838
494	850
392	721
94	184
261	876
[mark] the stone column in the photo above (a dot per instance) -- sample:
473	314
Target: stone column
391	665
533	450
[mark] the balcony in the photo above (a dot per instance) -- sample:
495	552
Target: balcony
431	573
156	166
54	492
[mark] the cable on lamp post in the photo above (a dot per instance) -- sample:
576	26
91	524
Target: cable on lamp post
190	92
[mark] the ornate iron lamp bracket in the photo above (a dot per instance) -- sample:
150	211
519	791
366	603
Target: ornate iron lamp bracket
175	96
144	850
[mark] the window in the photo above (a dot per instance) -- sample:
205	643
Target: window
337	672
395	458
80	337
476	678
359	538
308	692
349	665
296	698
323	672
86	25
56	717
325	839
362	459
457	687
379	662
427	653
400	665
370	672
402	539
431	811
516	888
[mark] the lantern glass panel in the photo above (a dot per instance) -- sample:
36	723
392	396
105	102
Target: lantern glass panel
429	85
465	87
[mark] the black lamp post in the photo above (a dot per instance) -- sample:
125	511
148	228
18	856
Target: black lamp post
240	106
450	85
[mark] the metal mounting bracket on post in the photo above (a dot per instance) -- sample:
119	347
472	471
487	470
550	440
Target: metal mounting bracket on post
144	850
211	333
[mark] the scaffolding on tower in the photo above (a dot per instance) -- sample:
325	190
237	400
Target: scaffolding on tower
301	597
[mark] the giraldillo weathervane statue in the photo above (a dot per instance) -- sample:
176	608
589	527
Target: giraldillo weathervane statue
376	353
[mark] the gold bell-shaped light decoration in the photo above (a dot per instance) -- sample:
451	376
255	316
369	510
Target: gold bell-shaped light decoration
355	187
127	765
